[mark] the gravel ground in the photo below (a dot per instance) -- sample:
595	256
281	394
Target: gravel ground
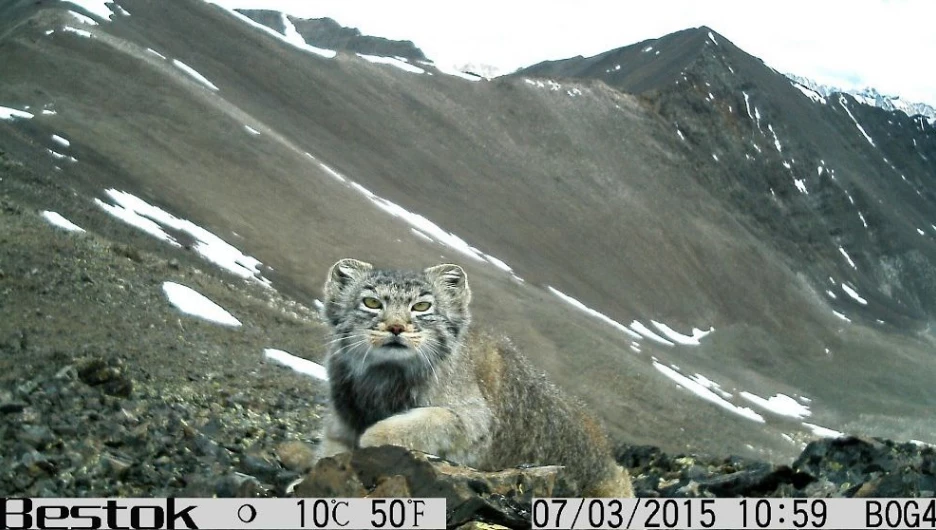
107	390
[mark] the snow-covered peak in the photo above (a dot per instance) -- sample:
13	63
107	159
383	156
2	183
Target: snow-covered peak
869	96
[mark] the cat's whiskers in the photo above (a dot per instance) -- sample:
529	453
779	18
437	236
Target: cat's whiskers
432	345
349	346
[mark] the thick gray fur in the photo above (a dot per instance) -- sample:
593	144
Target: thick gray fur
401	374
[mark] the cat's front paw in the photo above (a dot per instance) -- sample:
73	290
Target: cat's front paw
380	434
427	429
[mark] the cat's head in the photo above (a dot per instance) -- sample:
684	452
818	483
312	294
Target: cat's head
388	315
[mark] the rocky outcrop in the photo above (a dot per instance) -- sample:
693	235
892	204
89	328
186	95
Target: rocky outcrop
839	467
502	497
327	33
844	467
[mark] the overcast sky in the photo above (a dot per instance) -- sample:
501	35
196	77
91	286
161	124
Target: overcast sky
889	45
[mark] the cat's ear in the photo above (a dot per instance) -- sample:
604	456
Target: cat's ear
452	279
343	273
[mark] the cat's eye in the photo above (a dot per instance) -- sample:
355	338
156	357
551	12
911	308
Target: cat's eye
422	306
372	303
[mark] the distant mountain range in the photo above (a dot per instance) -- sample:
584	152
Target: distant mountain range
870	96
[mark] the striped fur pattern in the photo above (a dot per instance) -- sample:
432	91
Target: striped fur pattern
405	370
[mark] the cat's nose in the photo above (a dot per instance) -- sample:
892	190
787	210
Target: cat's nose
396	329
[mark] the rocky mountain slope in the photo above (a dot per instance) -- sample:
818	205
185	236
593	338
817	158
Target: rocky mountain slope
194	409
713	260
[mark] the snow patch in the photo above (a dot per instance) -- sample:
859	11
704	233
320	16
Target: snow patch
823	431
97	8
747	104
810	93
251	130
191	302
60	156
321	52
61	141
422	235
79	32
59	221
921	232
847	257
332	172
711	385
303	366
292	36
151	219
840	315
779	404
854	294
705	393
844	103
422	224
775	139
7	113
679	338
393	61
647	332
194	74
600	316
83	19
156	53
801	186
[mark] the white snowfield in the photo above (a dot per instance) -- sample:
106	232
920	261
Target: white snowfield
823	431
303	366
194	74
844	103
428	229
679	338
191	302
80	32
810	93
58	220
392	61
648	333
854	294
83	19
97	8
779	404
701	389
600	316
151	219
6	113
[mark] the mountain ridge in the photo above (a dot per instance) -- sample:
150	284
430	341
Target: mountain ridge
870	96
